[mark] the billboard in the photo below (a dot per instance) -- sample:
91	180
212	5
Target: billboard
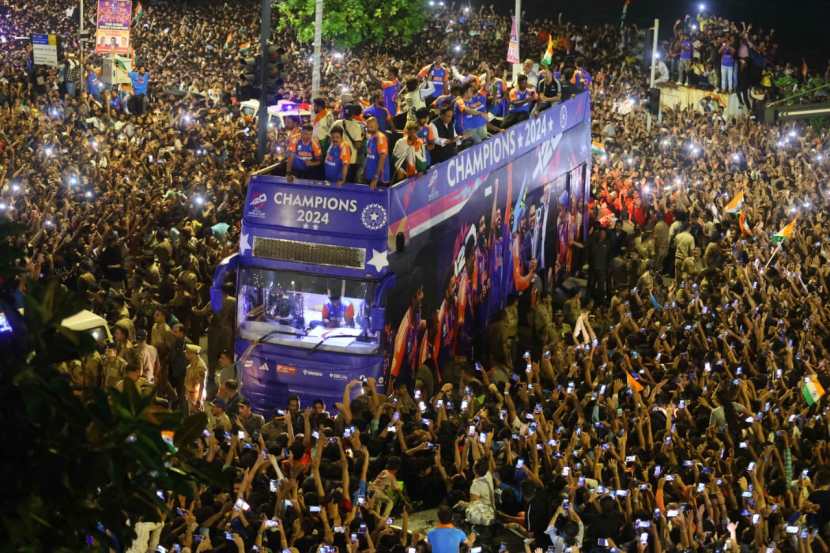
112	35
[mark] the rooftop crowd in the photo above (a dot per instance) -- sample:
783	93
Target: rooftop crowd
664	410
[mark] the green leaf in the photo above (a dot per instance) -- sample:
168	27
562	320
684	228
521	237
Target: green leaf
190	430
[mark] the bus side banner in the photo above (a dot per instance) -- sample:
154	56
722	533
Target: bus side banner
442	180
502	229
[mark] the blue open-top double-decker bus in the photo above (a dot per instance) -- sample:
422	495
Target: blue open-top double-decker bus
338	283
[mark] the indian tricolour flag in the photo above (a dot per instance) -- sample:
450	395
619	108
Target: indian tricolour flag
785	233
735	204
598	149
812	390
139	11
547	59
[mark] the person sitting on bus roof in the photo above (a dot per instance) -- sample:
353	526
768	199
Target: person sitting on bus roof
304	155
376	169
410	153
338	157
521	98
472	108
336	313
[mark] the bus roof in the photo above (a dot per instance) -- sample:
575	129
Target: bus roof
313	214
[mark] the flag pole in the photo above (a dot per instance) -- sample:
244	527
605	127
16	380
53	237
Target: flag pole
774	253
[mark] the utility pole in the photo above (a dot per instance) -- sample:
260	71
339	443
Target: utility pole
517	66
653	67
318	46
81	38
262	116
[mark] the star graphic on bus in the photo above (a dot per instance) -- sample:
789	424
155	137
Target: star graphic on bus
244	244
378	260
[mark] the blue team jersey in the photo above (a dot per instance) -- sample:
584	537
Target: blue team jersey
379	113
375	147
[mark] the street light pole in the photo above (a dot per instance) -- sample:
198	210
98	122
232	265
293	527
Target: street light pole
318	45
81	44
653	66
517	66
262	116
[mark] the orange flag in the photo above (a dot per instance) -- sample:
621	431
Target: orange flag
633	384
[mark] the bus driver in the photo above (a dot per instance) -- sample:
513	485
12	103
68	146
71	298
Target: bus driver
336	313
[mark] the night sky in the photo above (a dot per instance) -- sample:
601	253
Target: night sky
802	25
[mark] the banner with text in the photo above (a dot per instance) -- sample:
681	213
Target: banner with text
45	50
513	46
112	35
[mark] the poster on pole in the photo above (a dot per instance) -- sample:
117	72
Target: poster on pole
513	47
45	50
112	34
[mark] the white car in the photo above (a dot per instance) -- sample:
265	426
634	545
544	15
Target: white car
277	113
87	321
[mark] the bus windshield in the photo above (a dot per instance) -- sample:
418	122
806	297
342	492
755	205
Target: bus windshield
309	311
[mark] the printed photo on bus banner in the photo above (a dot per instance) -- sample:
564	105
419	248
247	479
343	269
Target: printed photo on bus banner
513	236
112	35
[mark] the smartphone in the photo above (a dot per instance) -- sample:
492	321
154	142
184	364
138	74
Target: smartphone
482	437
644	537
622	493
339	530
228	536
272	485
669	478
602	542
756	518
566	471
672	513
314	509
471	430
566	505
657	470
241	434
417	394
792	529
270	523
287	503
520	463
390	428
241	505
644	524
701	487
475	550
347	432
439	403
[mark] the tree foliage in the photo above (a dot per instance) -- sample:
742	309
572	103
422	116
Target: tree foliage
350	23
80	466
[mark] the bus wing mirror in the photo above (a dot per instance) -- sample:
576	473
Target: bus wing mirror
377	319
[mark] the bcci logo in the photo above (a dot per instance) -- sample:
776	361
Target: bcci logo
563	117
373	217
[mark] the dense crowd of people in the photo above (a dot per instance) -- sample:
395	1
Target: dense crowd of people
676	405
